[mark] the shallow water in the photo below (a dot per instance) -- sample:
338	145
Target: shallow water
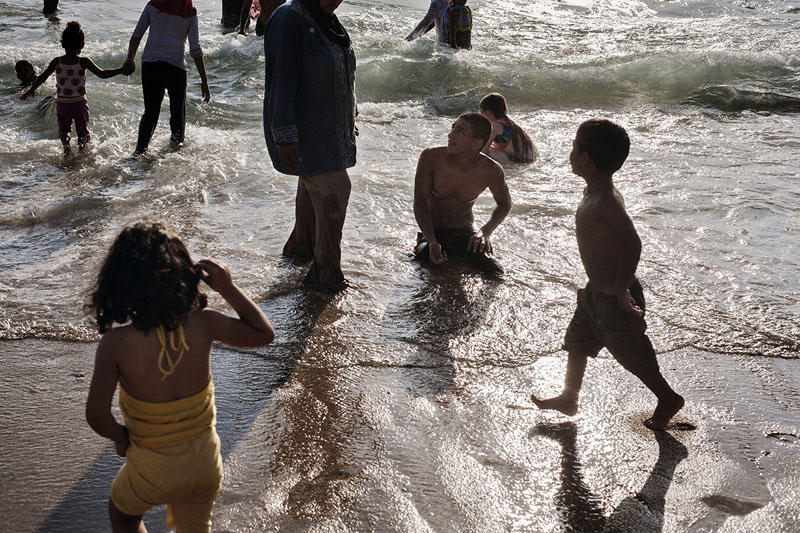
709	93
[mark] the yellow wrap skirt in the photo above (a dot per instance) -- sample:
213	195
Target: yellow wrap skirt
174	458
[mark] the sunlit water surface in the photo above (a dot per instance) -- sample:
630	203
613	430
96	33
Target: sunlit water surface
709	94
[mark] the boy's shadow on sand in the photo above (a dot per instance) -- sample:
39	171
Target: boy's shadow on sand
580	509
85	507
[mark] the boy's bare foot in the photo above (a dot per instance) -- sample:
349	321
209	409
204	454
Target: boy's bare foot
664	413
561	403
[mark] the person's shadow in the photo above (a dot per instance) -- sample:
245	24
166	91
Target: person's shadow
580	509
443	309
244	382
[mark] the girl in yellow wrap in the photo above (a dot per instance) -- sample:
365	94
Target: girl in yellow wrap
160	355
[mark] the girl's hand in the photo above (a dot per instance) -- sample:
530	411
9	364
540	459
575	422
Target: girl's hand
215	275
205	91
123	445
29	92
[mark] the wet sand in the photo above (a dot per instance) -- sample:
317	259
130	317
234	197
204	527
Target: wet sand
311	444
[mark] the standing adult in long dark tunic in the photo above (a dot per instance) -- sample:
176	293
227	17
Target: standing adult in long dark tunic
309	126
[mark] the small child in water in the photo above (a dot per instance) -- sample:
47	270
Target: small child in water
26	73
458	24
610	310
510	143
70	69
160	357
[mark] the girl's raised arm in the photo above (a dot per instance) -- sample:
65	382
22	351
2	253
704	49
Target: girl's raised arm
252	328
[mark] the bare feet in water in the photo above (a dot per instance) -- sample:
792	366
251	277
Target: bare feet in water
664	412
561	403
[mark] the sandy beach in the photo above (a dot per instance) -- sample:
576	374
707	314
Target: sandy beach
310	445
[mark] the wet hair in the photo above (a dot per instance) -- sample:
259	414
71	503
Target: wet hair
480	125
496	104
148	278
23	63
606	143
73	37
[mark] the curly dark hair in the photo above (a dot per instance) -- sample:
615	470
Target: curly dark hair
606	143
148	278
73	37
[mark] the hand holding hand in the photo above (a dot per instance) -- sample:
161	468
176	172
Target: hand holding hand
128	67
289	154
628	304
215	275
480	243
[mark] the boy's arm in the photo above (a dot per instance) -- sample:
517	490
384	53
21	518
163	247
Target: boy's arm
479	242
251	329
423	184
101	393
630	248
41	79
89	65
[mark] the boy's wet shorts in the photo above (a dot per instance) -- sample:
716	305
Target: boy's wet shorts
599	322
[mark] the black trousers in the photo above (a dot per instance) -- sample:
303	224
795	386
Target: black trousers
156	77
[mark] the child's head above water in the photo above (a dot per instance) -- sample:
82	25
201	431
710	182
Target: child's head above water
495	104
148	278
25	71
72	39
606	143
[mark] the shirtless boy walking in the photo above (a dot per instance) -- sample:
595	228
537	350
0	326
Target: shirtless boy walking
610	310
448	181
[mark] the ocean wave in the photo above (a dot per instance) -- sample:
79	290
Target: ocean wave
730	99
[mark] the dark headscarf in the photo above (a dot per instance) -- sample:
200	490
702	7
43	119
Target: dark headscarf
328	24
182	8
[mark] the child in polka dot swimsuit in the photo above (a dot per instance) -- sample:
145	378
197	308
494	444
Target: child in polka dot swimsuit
70	69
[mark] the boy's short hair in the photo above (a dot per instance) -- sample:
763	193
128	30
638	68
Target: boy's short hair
481	127
73	36
606	143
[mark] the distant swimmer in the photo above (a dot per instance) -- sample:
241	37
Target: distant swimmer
448	181
610	309
71	103
26	72
510	143
434	18
458	24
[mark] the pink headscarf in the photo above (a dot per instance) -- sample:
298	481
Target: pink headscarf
182	8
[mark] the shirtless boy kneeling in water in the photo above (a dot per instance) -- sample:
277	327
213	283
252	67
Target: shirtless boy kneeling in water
610	310
448	181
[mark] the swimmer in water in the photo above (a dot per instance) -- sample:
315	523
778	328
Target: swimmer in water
510	143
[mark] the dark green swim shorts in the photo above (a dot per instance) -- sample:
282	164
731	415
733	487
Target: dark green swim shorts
599	323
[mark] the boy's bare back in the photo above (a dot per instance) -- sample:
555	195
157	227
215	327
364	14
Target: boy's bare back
604	232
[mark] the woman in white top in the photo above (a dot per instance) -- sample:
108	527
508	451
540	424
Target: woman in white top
171	22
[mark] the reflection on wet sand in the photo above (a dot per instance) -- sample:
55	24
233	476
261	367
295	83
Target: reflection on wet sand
580	508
